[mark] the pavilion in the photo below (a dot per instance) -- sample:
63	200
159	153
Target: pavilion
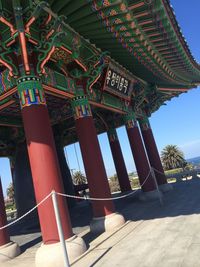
70	70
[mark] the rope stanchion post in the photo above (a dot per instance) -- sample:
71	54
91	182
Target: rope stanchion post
76	197
103	199
60	230
155	181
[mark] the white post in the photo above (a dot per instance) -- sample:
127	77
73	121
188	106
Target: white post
155	181
60	230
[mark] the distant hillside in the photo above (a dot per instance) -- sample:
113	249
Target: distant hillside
194	161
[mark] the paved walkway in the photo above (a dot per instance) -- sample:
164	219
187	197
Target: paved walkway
154	236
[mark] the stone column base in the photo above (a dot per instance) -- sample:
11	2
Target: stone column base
106	223
151	195
52	255
9	251
165	187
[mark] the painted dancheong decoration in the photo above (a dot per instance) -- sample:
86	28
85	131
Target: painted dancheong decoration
149	72
74	69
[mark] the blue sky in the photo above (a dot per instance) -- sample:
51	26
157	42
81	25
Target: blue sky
176	123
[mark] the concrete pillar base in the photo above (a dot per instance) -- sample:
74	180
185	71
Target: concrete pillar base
9	251
165	187
151	195
106	223
52	255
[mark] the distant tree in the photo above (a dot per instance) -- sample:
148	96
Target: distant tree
79	178
114	184
10	193
172	157
189	166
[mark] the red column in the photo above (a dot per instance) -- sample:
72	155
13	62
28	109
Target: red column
43	159
152	151
139	154
120	166
92	158
4	237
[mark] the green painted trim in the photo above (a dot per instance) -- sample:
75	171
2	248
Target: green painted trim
129	117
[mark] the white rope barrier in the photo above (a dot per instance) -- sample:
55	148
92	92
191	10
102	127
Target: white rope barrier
105	199
28	212
53	195
77	197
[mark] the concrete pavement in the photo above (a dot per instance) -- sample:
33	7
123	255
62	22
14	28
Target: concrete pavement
154	236
167	236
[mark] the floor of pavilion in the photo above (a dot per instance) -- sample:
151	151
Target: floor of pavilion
154	233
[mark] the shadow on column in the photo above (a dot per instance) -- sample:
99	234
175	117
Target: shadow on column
24	191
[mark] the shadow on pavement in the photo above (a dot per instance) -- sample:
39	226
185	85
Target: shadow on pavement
183	200
30	244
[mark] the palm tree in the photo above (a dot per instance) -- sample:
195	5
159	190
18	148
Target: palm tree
172	157
79	178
